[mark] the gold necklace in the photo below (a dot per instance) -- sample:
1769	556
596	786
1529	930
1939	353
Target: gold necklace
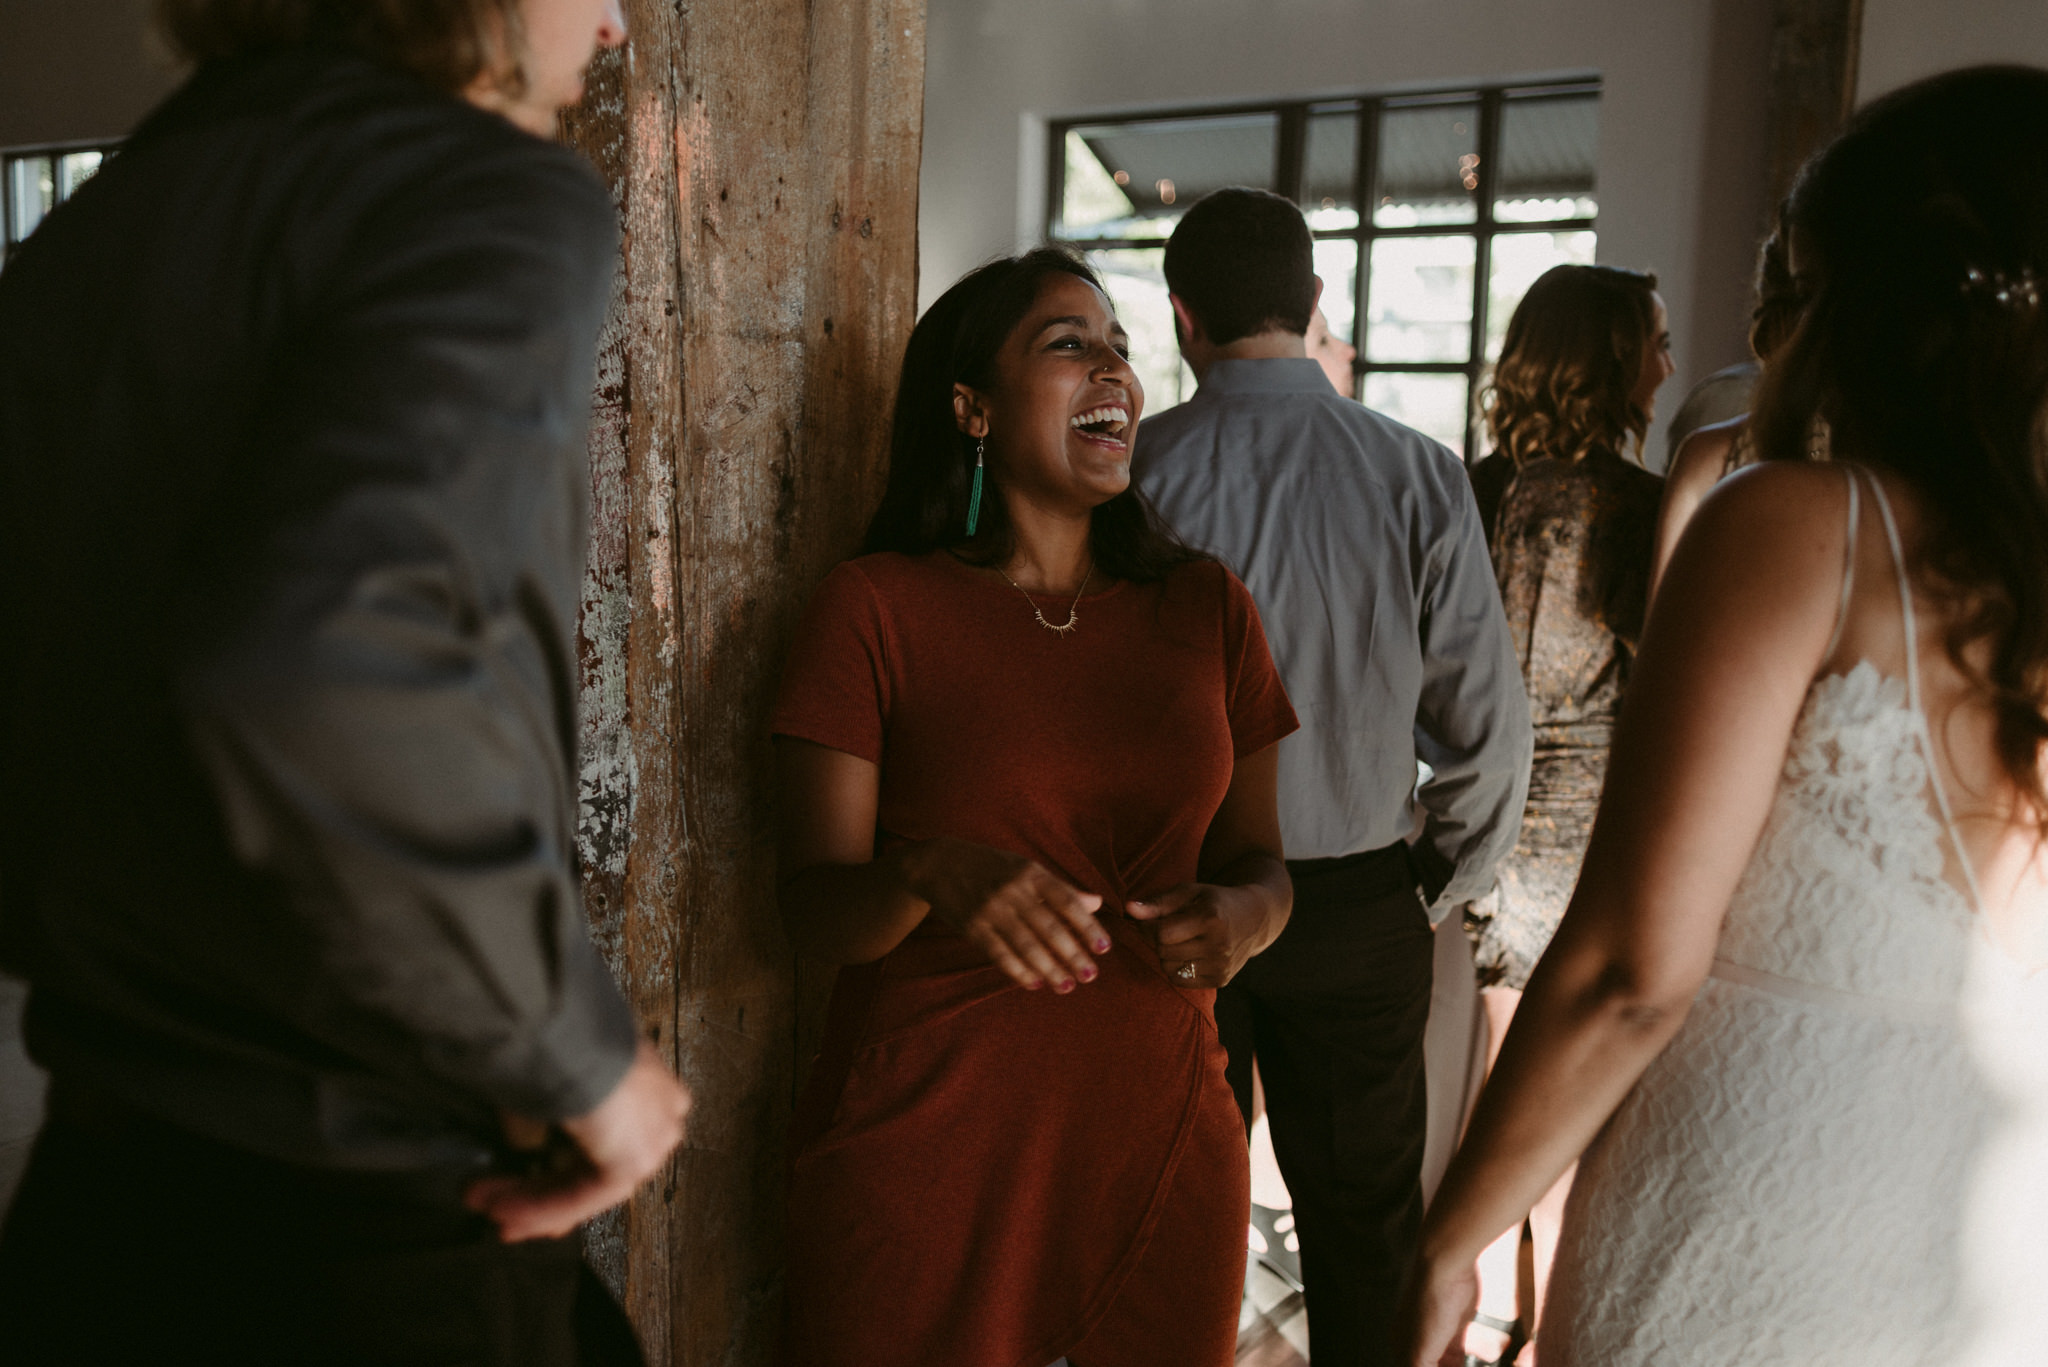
1073	617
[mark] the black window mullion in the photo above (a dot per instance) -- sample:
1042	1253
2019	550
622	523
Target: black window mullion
1056	176
1361	276
1290	152
1416	367
1482	259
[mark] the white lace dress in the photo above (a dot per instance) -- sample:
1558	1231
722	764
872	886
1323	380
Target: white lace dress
1843	1155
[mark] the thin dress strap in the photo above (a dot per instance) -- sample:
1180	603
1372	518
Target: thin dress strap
1912	626
1848	570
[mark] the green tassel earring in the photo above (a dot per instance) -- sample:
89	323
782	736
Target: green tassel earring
974	498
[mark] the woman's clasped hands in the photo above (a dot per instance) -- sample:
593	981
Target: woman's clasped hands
1034	925
1041	930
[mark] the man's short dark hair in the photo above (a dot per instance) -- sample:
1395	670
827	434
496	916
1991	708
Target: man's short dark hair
1243	262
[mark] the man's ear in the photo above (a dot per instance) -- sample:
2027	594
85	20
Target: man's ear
969	414
1315	300
1187	329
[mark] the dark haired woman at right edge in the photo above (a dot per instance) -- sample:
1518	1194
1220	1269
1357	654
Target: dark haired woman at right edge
1793	1007
1029	794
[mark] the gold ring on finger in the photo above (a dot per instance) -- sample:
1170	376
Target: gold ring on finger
1186	972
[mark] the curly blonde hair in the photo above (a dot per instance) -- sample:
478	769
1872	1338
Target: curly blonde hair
1568	368
450	44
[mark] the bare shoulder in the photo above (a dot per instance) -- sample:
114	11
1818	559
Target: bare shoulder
1768	540
1699	460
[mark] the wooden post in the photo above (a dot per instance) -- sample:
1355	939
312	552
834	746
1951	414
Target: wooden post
764	157
1814	46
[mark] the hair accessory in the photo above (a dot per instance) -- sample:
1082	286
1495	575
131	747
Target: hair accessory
2007	291
974	498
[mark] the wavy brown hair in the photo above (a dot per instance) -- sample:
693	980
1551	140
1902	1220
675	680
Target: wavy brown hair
1573	353
446	43
1923	343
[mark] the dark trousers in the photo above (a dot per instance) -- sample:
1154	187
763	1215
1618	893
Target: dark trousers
1334	1012
140	1243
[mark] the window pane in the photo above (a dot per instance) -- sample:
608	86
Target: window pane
1136	277
32	184
1337	264
1518	259
75	169
1428	166
1549	149
1157	169
1419	305
1329	194
1435	405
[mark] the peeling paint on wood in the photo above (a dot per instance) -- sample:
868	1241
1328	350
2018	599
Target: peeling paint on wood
764	159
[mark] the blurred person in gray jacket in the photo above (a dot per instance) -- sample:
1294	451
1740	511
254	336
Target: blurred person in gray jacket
293	397
1361	544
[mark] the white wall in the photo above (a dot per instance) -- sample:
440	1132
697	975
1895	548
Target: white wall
1681	131
72	70
1904	40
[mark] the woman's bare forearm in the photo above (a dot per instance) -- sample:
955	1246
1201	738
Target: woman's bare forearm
852	913
1259	883
1582	1036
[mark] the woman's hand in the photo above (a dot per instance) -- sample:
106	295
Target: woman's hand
1206	932
1034	926
1436	1305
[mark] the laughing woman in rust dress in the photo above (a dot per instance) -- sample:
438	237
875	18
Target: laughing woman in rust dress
1028	779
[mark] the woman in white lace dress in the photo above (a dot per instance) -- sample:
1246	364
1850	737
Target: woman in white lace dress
1792	1017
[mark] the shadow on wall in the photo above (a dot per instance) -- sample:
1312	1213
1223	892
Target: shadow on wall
21	1091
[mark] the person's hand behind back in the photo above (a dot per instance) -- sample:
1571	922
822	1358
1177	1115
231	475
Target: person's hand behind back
621	1144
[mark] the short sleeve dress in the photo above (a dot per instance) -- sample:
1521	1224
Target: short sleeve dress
987	1176
1572	542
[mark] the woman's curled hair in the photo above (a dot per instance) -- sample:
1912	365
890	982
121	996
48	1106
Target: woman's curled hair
1922	244
1569	365
449	44
931	461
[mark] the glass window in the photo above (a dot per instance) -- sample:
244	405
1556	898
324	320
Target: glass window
1329	178
76	168
1136	280
1337	264
1401	282
31	194
1433	404
1125	180
1518	259
1549	150
1420	304
1428	166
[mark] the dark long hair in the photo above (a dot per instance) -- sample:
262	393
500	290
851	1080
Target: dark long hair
447	43
1922	237
931	461
1569	364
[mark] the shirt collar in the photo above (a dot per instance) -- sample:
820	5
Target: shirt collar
1268	375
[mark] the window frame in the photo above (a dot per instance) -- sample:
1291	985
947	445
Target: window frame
55	150
1290	166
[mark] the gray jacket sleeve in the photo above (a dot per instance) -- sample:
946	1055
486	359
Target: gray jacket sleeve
1472	722
382	694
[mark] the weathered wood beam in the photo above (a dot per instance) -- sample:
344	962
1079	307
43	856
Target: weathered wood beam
1814	47
764	157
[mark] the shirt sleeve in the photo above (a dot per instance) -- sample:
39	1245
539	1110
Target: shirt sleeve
1472	719
380	686
1260	713
835	688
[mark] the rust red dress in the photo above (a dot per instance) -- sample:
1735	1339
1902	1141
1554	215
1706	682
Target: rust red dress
986	1176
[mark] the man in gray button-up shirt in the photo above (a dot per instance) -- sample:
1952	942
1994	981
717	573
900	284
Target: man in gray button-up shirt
1360	541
